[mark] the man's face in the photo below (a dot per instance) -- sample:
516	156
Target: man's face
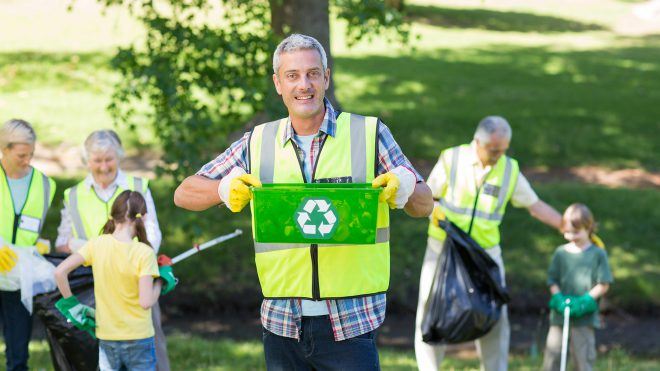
103	166
302	82
18	156
490	152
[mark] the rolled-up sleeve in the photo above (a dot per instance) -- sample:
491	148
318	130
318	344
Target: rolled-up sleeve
235	155
523	194
390	154
154	235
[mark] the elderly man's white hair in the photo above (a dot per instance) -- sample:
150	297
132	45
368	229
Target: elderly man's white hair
102	141
16	131
492	125
297	42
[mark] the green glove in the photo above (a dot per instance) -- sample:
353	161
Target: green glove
169	281
558	302
82	316
583	305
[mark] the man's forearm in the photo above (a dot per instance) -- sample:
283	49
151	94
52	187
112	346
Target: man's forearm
197	193
546	214
420	203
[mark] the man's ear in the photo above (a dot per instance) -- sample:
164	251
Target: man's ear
276	81
327	78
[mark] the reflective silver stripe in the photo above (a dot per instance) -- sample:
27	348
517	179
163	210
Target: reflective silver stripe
75	213
260	247
468	211
267	160
504	188
453	170
358	149
382	235
137	184
46	201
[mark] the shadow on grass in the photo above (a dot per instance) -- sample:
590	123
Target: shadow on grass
567	108
493	20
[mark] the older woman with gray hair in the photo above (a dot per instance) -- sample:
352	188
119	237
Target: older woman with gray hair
87	208
25	196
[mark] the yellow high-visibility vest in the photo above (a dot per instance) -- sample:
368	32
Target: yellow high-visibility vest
482	207
22	227
322	271
89	212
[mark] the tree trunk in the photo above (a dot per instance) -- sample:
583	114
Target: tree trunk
308	17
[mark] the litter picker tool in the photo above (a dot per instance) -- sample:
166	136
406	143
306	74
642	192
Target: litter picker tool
564	336
165	260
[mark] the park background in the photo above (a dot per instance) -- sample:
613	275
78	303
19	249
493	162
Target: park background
579	81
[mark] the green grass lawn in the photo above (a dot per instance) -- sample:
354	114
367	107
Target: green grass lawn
189	352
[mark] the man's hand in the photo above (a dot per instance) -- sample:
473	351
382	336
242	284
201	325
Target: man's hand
398	184
169	281
8	259
234	189
82	316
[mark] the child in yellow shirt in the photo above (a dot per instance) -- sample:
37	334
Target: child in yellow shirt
124	287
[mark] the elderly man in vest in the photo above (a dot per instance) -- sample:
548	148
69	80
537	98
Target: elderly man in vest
87	208
473	184
325	323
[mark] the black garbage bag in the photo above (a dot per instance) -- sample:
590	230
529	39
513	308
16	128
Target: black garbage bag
467	292
70	349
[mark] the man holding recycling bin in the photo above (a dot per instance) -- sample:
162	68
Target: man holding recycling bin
324	287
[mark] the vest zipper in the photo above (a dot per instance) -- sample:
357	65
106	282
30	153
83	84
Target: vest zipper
17	217
314	248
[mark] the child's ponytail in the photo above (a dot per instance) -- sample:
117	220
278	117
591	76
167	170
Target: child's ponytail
129	206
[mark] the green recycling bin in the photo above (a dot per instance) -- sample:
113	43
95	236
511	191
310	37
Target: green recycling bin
320	213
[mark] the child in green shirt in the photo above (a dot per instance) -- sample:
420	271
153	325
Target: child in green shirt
579	271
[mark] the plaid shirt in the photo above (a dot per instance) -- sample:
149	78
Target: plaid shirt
349	317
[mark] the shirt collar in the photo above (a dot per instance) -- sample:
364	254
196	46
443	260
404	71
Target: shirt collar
328	126
120	180
474	157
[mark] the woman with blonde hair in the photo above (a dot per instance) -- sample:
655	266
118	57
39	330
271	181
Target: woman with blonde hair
25	196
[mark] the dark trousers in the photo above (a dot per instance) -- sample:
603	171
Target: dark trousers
17	328
318	350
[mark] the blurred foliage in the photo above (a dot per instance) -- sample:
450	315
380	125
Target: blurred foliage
204	69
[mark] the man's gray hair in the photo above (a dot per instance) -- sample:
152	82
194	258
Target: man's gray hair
16	131
492	125
102	141
297	42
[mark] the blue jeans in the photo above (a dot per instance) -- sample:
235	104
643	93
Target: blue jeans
17	328
129	355
318	350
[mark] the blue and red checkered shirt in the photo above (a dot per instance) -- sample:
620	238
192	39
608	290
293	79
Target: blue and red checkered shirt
349	317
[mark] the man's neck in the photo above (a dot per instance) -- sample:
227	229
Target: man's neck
307	126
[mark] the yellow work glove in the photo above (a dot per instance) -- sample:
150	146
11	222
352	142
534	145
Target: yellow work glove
391	183
43	246
234	189
437	215
8	259
397	184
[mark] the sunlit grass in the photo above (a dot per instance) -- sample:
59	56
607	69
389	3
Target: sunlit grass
191	352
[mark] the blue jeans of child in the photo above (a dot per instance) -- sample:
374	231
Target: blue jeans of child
128	355
17	328
318	350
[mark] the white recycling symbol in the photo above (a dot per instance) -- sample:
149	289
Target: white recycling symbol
316	218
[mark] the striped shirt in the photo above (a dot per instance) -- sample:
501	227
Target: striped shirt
349	317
